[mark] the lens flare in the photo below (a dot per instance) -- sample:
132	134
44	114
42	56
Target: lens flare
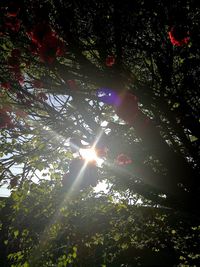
88	154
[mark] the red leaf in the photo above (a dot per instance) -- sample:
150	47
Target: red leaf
6	85
110	61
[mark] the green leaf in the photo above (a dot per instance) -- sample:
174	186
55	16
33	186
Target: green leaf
173	232
26	264
193	138
16	233
176	105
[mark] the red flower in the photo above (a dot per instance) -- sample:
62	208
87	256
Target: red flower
37	84
47	54
5	120
178	36
42	96
47	44
110	60
13	9
128	108
50	48
33	48
5	85
13	24
60	48
21	113
72	84
122	159
21	80
39	32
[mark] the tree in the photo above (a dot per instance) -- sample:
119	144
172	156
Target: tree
65	69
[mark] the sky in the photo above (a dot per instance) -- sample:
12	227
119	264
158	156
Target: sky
4	192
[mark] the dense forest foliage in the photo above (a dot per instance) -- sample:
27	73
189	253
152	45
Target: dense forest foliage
122	78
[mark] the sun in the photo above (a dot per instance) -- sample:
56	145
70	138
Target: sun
88	154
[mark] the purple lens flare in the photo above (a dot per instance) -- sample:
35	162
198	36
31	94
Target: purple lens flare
108	96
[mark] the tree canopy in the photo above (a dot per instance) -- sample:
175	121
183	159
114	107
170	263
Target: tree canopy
121	77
